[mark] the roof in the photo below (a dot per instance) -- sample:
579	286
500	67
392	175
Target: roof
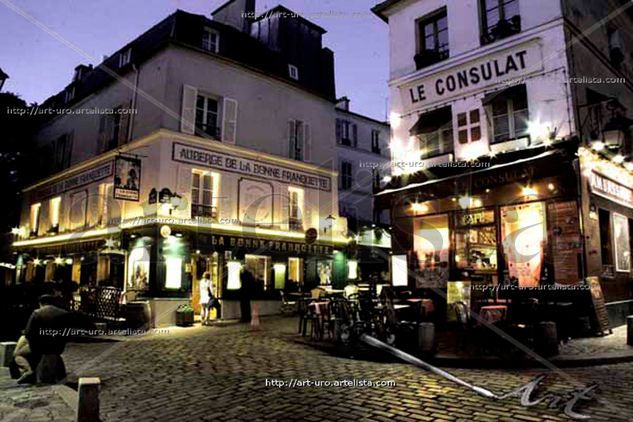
380	8
284	12
362	116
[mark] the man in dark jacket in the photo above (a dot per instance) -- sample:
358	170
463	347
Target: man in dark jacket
44	335
246	293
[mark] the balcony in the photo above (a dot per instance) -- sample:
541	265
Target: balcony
427	58
209	131
204	211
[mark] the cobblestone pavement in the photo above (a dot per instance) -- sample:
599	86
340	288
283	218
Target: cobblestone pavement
615	342
220	373
22	403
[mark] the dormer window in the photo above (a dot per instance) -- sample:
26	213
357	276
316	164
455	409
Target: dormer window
69	94
125	57
210	40
293	72
501	19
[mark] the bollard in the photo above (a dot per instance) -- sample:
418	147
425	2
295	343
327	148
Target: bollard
629	330
547	338
426	337
6	352
88	399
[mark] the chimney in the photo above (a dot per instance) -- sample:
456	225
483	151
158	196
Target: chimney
343	103
236	13
81	71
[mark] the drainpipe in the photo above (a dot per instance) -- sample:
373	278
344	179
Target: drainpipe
130	126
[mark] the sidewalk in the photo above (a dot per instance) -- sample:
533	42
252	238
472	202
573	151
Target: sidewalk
30	403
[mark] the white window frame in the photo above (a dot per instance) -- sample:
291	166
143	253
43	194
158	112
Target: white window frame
469	126
205	115
510	112
208	44
293	72
198	199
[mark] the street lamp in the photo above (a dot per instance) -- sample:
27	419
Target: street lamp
3	77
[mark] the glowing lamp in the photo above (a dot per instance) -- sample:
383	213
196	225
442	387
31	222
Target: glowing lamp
529	191
618	159
597	146
465	201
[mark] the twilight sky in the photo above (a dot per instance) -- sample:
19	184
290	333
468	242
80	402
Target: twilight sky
41	63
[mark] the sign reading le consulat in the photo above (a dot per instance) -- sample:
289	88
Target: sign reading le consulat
506	66
232	163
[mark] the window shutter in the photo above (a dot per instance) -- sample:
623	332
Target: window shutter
355	134
229	120
339	130
188	115
307	142
291	138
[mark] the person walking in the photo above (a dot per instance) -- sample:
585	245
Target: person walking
208	299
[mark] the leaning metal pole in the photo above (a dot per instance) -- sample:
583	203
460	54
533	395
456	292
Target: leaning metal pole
420	363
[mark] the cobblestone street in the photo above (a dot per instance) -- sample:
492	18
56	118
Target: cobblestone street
220	373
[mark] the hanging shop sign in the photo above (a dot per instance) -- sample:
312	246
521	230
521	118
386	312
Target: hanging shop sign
263	245
127	178
235	164
610	189
507	66
89	176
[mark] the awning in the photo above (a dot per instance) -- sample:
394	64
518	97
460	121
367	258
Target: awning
432	121
507	92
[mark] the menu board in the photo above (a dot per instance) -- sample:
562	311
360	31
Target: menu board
564	233
599	306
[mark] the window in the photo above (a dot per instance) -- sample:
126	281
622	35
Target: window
346	133
468	126
434	132
203	199
208	116
510	115
210	40
105	204
346	175
260	267
35	218
501	19
295	209
298	140
78	210
112	129
375	141
125	57
63	149
54	208
431	245
69	94
476	241
432	39
293	72
621	243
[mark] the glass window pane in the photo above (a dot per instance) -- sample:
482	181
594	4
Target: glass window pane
442	23
429	43
461	119
443	37
475	134
492	17
501	125
463	136
428	29
212	105
200	102
474	116
499	106
511	9
196	180
207	181
520	102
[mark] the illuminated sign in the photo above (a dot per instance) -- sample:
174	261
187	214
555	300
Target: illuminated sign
506	66
611	189
232	163
263	244
92	175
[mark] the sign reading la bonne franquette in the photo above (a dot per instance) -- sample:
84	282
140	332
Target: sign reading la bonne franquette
235	164
91	175
506	66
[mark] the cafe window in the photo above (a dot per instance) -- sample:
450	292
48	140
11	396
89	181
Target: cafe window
524	240
621	243
299	140
469	126
203	199
54	209
346	133
295	209
208	116
210	40
509	114
431	241
432	39
34	218
434	132
476	241
78	210
260	267
500	19
295	270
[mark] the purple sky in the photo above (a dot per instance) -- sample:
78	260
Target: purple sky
40	65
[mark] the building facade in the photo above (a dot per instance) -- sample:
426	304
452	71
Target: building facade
507	118
212	152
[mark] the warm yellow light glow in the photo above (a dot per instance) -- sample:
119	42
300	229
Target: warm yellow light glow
628	166
394	120
352	269
55	205
618	159
37	261
551	186
477	203
386	179
399	270
234	281
529	191
538	130
597	146
465	201
59	261
173	276
419	207
15	231
67	236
